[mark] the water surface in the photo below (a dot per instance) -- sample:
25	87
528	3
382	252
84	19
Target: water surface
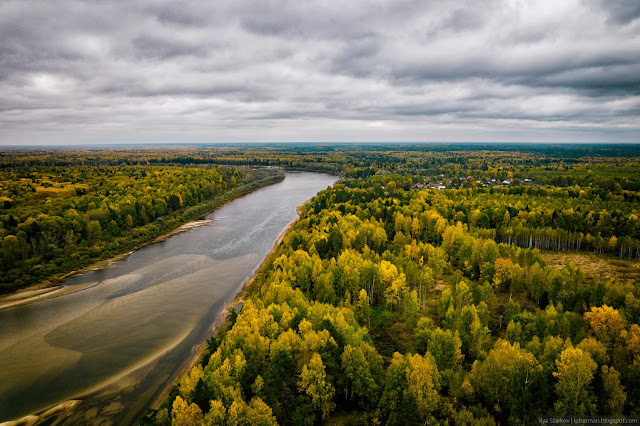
118	343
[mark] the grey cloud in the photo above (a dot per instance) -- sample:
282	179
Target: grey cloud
458	20
621	11
342	21
173	13
81	71
169	48
604	80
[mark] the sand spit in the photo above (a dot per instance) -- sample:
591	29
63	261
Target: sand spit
53	416
31	296
40	292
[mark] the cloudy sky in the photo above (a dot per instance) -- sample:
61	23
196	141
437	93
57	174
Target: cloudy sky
74	72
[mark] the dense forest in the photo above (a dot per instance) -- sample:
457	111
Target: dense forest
418	292
57	219
420	289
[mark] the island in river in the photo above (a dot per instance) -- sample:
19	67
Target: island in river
118	343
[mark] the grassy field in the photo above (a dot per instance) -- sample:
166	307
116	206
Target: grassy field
596	264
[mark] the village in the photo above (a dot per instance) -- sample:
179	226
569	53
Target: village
469	181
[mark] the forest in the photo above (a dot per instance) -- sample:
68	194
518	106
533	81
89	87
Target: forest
56	219
391	302
422	288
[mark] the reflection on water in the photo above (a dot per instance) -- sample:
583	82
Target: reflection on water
149	310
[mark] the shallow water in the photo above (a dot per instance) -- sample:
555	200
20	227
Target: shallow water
121	341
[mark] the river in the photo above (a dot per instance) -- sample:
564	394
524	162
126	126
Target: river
135	325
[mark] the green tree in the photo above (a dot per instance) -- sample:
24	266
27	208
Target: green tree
313	382
508	378
362	366
536	282
613	390
363	307
411	308
445	347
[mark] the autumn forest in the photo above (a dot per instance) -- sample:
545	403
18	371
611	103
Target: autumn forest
431	284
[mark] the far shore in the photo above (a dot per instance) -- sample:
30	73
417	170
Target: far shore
53	288
28	292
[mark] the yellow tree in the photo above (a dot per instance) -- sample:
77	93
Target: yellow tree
423	382
256	413
633	341
606	323
507	376
575	372
313	382
216	414
596	349
189	381
363	305
502	275
184	414
394	282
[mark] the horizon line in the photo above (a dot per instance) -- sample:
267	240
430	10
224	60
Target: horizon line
107	144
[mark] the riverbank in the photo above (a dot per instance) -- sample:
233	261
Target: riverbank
163	293
220	324
51	288
40	292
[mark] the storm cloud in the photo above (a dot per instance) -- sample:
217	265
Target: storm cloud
74	72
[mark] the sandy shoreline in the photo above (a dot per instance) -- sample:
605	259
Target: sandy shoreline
220	321
30	294
51	289
53	415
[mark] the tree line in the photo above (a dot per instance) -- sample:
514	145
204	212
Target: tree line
54	220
